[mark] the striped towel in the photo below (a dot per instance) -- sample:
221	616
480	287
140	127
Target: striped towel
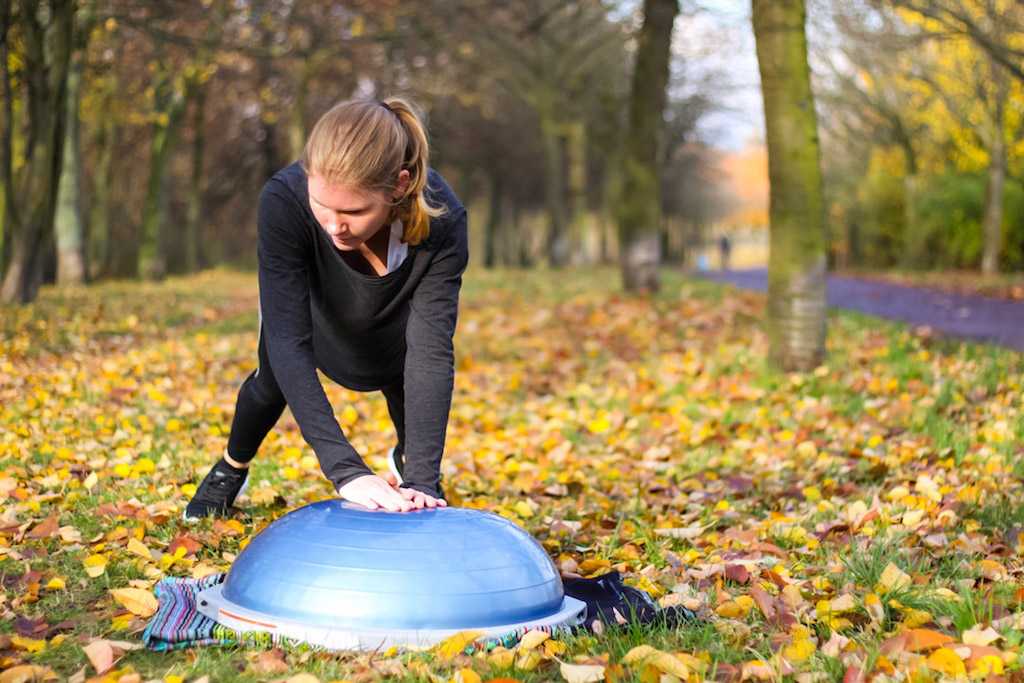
178	624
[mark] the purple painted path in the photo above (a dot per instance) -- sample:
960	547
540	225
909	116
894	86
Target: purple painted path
995	321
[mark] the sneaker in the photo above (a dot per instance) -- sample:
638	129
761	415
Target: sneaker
396	461
217	493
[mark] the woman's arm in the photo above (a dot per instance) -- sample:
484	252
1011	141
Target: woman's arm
284	255
430	359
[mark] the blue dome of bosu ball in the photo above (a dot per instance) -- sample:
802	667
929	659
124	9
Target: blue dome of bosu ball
342	576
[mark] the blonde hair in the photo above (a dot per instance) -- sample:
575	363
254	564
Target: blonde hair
365	144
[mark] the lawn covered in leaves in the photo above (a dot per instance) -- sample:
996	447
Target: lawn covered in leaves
860	521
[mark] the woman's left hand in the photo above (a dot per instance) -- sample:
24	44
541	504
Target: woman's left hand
418	498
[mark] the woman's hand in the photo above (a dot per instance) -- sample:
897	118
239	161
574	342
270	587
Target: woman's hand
418	498
375	492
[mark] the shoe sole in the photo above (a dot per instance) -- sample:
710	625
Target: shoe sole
391	465
193	520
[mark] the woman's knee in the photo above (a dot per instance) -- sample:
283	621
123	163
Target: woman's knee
262	386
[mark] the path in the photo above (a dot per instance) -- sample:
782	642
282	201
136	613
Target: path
970	317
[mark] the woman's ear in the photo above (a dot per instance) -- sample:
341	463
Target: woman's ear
403	183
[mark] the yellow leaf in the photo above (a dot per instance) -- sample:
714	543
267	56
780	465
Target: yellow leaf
582	673
501	657
731	609
91	481
532	639
235	526
139	548
664	662
466	675
28	644
454	644
987	665
992	570
27	673
523	509
144	466
892	578
799	650
591	565
528	660
139	602
912	618
56	584
95	565
349	416
947	662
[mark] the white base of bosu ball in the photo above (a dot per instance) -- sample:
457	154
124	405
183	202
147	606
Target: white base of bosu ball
341	576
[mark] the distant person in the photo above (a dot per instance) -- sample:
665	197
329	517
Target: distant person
361	250
724	247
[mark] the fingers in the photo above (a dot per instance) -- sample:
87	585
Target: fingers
382	492
421	500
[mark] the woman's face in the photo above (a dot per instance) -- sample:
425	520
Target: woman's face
350	216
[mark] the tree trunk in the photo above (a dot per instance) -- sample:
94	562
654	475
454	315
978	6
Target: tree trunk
297	117
493	227
68	223
99	241
993	221
30	210
576	153
639	207
796	268
554	196
169	104
193	232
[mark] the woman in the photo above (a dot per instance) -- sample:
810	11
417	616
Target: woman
361	249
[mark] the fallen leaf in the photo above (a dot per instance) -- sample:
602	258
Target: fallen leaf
925	639
947	662
100	654
581	673
138	601
532	639
664	662
454	644
28	673
980	636
48	527
893	578
95	565
270	662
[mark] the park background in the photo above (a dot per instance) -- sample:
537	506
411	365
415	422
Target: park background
836	494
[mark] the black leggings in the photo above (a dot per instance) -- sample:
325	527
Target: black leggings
260	404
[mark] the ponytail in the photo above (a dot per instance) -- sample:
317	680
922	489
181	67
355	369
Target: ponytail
366	143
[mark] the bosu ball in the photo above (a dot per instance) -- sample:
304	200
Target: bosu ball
344	577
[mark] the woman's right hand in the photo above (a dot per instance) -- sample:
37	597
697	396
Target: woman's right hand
374	492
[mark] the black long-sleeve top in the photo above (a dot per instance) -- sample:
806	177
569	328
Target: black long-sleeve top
364	332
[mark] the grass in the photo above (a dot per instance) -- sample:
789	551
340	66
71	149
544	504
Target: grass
701	430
